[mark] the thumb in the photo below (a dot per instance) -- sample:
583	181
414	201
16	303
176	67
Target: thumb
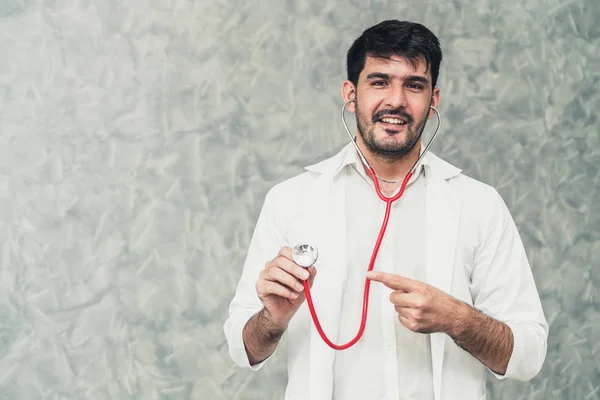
313	272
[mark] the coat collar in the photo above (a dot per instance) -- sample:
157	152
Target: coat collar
347	155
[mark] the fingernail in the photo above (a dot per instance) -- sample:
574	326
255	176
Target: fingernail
370	274
294	295
299	287
304	274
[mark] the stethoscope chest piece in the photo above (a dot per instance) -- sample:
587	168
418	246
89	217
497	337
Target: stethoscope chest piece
305	254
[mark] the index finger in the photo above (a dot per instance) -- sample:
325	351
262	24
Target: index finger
289	265
286	252
393	281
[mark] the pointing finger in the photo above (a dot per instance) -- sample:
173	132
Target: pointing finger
393	281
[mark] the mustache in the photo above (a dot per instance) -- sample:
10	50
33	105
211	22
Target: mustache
399	112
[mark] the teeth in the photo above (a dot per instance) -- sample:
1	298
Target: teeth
393	121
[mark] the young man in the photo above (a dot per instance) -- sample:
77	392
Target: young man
452	294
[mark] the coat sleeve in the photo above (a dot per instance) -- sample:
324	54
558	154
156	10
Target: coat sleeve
264	246
503	287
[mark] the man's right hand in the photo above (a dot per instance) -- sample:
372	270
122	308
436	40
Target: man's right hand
280	288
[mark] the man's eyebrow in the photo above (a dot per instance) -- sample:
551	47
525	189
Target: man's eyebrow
409	78
417	78
378	75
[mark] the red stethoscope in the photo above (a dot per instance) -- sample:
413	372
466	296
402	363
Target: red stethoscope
305	254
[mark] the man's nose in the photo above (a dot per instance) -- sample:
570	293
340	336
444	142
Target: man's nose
396	96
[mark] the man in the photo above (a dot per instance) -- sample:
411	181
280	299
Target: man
452	293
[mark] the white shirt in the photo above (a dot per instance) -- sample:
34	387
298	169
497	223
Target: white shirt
401	252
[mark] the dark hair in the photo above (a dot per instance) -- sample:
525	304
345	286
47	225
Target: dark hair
395	38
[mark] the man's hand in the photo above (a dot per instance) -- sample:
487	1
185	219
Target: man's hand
421	307
281	290
280	287
425	309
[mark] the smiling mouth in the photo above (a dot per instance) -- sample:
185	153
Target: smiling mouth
394	121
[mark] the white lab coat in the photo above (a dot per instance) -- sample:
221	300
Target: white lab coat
473	252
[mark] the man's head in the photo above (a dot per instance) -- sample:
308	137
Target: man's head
392	72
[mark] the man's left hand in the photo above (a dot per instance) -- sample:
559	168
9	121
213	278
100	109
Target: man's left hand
421	307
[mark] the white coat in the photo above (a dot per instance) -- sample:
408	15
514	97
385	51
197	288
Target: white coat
473	252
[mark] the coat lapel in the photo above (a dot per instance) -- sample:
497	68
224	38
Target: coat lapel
442	221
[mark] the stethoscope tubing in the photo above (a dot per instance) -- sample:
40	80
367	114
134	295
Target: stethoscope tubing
389	201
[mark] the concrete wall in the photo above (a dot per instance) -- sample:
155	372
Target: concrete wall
138	139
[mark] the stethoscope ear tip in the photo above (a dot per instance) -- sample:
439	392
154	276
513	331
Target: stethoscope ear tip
305	254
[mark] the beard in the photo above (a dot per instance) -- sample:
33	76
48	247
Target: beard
394	147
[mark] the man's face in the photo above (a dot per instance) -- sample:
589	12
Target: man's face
392	104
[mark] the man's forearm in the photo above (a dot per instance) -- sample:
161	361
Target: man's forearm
260	337
488	340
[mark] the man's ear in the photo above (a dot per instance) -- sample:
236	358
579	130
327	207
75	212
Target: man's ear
435	101
349	93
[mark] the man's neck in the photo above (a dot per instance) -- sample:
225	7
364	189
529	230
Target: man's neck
390	169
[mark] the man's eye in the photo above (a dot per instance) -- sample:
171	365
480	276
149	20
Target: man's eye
379	83
415	86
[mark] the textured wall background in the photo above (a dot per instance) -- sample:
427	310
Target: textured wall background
138	139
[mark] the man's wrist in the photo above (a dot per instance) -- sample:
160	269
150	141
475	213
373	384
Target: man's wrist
462	321
273	331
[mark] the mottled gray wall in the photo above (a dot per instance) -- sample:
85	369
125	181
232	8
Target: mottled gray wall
138	139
